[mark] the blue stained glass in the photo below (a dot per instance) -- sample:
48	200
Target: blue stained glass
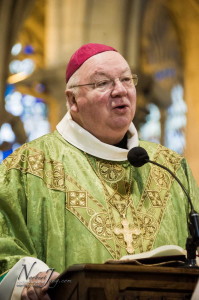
32	111
6	153
165	73
10	88
28	49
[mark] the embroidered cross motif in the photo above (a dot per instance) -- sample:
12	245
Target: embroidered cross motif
128	234
120	203
77	199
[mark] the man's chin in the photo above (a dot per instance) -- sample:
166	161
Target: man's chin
122	123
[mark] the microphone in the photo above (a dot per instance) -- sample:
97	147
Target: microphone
138	157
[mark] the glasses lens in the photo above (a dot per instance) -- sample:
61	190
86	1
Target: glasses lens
128	82
135	79
104	85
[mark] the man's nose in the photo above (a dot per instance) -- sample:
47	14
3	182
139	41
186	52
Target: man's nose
118	88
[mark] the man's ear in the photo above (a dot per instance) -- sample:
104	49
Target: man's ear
71	101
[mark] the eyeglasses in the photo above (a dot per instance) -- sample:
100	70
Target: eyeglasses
106	84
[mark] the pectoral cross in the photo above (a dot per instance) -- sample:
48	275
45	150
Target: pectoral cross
128	234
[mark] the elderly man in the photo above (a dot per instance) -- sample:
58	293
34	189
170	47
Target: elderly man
72	197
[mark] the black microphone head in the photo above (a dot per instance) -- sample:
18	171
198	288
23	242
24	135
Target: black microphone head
138	156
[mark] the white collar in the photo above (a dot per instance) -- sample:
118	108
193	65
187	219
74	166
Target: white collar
83	140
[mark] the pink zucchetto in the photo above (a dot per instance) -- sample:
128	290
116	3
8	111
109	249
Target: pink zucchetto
82	54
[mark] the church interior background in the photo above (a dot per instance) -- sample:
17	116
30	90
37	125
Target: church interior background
159	39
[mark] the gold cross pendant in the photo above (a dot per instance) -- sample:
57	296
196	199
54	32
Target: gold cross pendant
128	234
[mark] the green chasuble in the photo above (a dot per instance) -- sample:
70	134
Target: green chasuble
65	207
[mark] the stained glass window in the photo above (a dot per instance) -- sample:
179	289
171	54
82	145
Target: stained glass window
33	111
151	130
176	121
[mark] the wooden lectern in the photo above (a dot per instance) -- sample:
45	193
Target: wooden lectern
124	282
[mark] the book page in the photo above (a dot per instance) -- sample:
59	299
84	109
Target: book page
167	250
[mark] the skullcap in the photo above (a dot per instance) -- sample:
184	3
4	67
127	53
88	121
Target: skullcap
82	54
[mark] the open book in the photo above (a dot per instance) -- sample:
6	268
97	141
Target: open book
167	250
160	255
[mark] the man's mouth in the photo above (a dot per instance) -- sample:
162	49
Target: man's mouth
121	106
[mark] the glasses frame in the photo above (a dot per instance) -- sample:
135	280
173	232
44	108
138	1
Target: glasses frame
134	78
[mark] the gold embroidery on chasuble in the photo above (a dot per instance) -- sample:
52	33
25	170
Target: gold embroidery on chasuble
135	227
111	214
33	161
116	180
91	213
77	199
156	195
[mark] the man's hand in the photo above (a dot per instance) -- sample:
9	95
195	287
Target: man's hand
36	288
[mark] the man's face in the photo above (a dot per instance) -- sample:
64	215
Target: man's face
105	114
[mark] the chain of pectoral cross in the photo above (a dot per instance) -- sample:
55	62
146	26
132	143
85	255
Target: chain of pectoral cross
127	231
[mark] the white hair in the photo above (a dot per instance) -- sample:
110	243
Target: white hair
73	80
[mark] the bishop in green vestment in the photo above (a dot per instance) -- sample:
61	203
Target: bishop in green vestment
72	197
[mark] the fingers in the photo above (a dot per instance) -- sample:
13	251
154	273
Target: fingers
36	288
33	293
29	293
